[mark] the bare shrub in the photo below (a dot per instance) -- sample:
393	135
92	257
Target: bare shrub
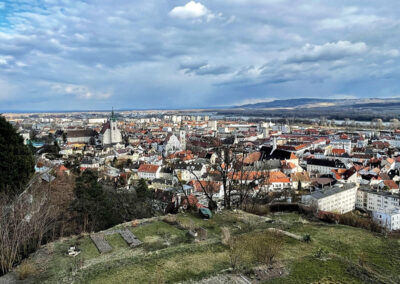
235	251
265	247
170	219
258	209
23	223
25	270
188	224
353	220
226	235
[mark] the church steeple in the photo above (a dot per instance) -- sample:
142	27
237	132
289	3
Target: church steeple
112	114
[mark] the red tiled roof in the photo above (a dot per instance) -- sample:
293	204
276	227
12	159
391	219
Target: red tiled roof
147	168
207	185
338	151
252	158
277	177
391	184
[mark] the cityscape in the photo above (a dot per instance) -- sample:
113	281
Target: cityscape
266	150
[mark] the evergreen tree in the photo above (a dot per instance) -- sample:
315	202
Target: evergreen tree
95	207
144	199
16	160
142	190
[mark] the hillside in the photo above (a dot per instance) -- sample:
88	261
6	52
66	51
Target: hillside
322	103
336	253
287	103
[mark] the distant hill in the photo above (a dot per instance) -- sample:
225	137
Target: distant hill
286	103
315	103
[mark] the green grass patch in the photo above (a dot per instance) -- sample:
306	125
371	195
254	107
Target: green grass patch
116	241
159	235
167	266
309	270
88	249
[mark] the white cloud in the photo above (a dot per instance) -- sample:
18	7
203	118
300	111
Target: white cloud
2	5
4	60
255	101
394	52
328	51
192	10
79	91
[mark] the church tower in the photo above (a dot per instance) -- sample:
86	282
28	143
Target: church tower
182	139
110	132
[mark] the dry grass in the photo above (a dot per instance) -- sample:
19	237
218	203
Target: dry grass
226	236
188	224
170	219
25	270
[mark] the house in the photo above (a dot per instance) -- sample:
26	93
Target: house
388	164
391	185
170	145
346	175
189	171
247	177
300	180
338	152
273	153
80	136
148	171
252	158
324	166
288	167
215	189
342	144
276	181
390	219
87	163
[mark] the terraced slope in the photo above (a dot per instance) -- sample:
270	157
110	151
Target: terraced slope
336	254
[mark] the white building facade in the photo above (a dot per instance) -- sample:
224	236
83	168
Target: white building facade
110	134
336	200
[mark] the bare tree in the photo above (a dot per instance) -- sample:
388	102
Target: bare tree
23	223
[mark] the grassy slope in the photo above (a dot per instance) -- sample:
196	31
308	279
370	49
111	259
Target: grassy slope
346	247
169	256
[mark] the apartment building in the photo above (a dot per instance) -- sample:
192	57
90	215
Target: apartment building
334	199
390	220
379	201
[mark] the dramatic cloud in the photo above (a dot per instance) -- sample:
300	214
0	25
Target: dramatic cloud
64	54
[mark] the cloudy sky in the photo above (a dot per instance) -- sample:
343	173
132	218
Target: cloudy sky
65	55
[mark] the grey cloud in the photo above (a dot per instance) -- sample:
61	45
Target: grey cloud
328	51
232	50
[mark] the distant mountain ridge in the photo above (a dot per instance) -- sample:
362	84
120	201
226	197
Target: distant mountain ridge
315	102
